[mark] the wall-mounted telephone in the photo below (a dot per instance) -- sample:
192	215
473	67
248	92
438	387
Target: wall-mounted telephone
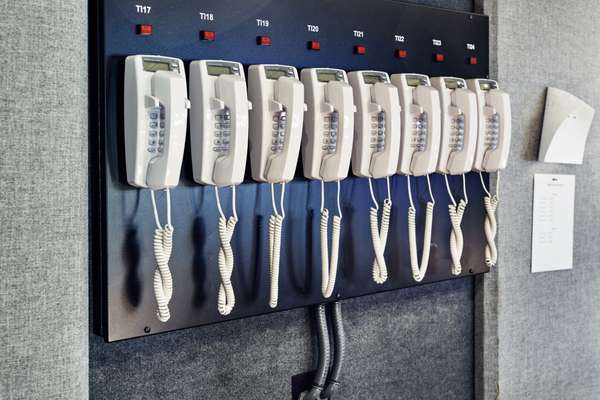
219	141
457	150
376	148
155	109
493	146
276	122
327	149
419	151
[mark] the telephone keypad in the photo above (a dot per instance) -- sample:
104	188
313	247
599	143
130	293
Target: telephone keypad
279	126
331	126
222	132
378	132
458	139
420	133
157	119
492	138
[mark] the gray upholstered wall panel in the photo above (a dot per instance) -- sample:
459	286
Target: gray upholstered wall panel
548	324
43	197
412	344
404	345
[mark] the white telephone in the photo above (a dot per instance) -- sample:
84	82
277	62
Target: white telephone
493	146
219	139
419	151
457	150
327	150
275	136
376	148
156	108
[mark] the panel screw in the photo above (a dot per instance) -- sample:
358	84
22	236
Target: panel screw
147	329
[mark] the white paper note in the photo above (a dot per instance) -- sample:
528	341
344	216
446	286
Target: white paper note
553	216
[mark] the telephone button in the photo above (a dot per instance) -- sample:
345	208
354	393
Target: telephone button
153	124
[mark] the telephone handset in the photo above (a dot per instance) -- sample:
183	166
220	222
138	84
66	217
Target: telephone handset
493	146
276	123
156	108
329	124
155	111
327	150
421	125
457	150
219	122
376	148
219	139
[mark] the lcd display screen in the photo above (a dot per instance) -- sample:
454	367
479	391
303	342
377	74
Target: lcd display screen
371	79
415	81
153	66
487	85
276	73
454	83
216	70
327	76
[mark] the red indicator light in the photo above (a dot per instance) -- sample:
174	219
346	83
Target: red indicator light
401	54
360	50
263	41
207	35
439	57
473	60
144	29
314	45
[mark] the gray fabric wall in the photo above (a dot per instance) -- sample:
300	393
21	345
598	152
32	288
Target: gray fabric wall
43	198
411	344
548	324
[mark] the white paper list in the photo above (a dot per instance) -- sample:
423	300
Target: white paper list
553	216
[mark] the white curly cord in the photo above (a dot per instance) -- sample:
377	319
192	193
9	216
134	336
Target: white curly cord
419	271
163	245
490	226
456	213
329	267
379	234
226	297
275	228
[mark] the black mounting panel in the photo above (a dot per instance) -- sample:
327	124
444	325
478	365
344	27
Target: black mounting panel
122	216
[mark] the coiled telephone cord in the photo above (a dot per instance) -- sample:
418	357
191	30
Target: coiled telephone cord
490	225
226	296
329	265
275	229
163	246
419	270
379	234
456	212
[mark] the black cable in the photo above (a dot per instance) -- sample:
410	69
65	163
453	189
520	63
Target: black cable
324	356
339	337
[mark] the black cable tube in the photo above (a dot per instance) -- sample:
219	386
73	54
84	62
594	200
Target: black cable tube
324	355
339	337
